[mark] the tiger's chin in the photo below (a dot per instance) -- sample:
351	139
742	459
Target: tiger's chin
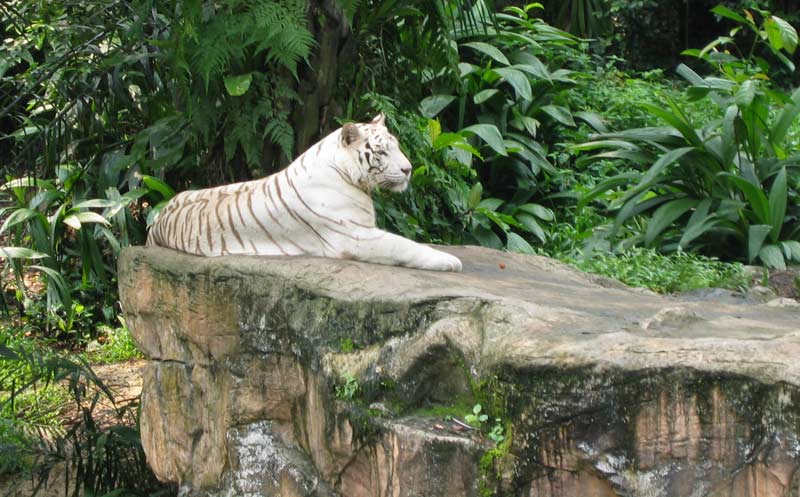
399	187
395	186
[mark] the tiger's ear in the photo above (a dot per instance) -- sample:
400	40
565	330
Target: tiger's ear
379	120
350	134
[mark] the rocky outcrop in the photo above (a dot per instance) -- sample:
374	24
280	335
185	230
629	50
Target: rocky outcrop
314	377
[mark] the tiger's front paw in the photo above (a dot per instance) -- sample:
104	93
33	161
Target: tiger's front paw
442	261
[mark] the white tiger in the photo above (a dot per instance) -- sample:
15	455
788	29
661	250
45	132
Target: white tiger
319	205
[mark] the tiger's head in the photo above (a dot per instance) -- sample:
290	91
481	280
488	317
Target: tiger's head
376	156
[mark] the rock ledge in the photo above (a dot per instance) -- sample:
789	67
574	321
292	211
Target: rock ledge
314	377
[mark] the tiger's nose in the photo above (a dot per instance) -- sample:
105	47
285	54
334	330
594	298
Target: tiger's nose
406	169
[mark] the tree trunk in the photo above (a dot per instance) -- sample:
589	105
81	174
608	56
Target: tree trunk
314	115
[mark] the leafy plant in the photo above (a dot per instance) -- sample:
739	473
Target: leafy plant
497	433
476	418
348	390
499	99
99	458
114	345
672	273
729	181
59	223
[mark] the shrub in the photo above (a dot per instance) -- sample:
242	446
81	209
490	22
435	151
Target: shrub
678	272
730	182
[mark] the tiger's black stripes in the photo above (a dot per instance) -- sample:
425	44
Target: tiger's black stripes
261	225
299	219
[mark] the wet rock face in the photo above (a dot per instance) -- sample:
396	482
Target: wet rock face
313	377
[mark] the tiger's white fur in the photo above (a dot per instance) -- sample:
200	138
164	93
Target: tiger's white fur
319	205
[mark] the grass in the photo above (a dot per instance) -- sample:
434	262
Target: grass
33	402
670	273
113	345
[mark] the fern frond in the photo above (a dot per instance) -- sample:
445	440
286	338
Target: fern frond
280	132
214	51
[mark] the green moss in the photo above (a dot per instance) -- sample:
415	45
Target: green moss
491	464
365	423
457	408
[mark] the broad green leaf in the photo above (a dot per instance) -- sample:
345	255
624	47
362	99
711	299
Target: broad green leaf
531	224
756	234
729	146
785	119
489	50
697	228
487	238
611	183
490	204
238	85
537	210
431	106
489	134
636	205
594	145
635	156
59	283
159	186
446	140
94	203
772	257
475	194
534	67
20	253
518	244
677	121
17	217
465	69
778	196
781	34
665	215
530	124
559	113
518	80
747	92
723	11
494	217
755	197
485	95
434	129
592	119
76	220
26	182
689	75
658	134
791	249
657	168
468	148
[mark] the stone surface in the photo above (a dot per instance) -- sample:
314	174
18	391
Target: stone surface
599	389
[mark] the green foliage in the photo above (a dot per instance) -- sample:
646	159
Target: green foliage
348	389
476	418
497	433
677	272
72	237
729	182
96	112
494	100
218	59
36	387
116	346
